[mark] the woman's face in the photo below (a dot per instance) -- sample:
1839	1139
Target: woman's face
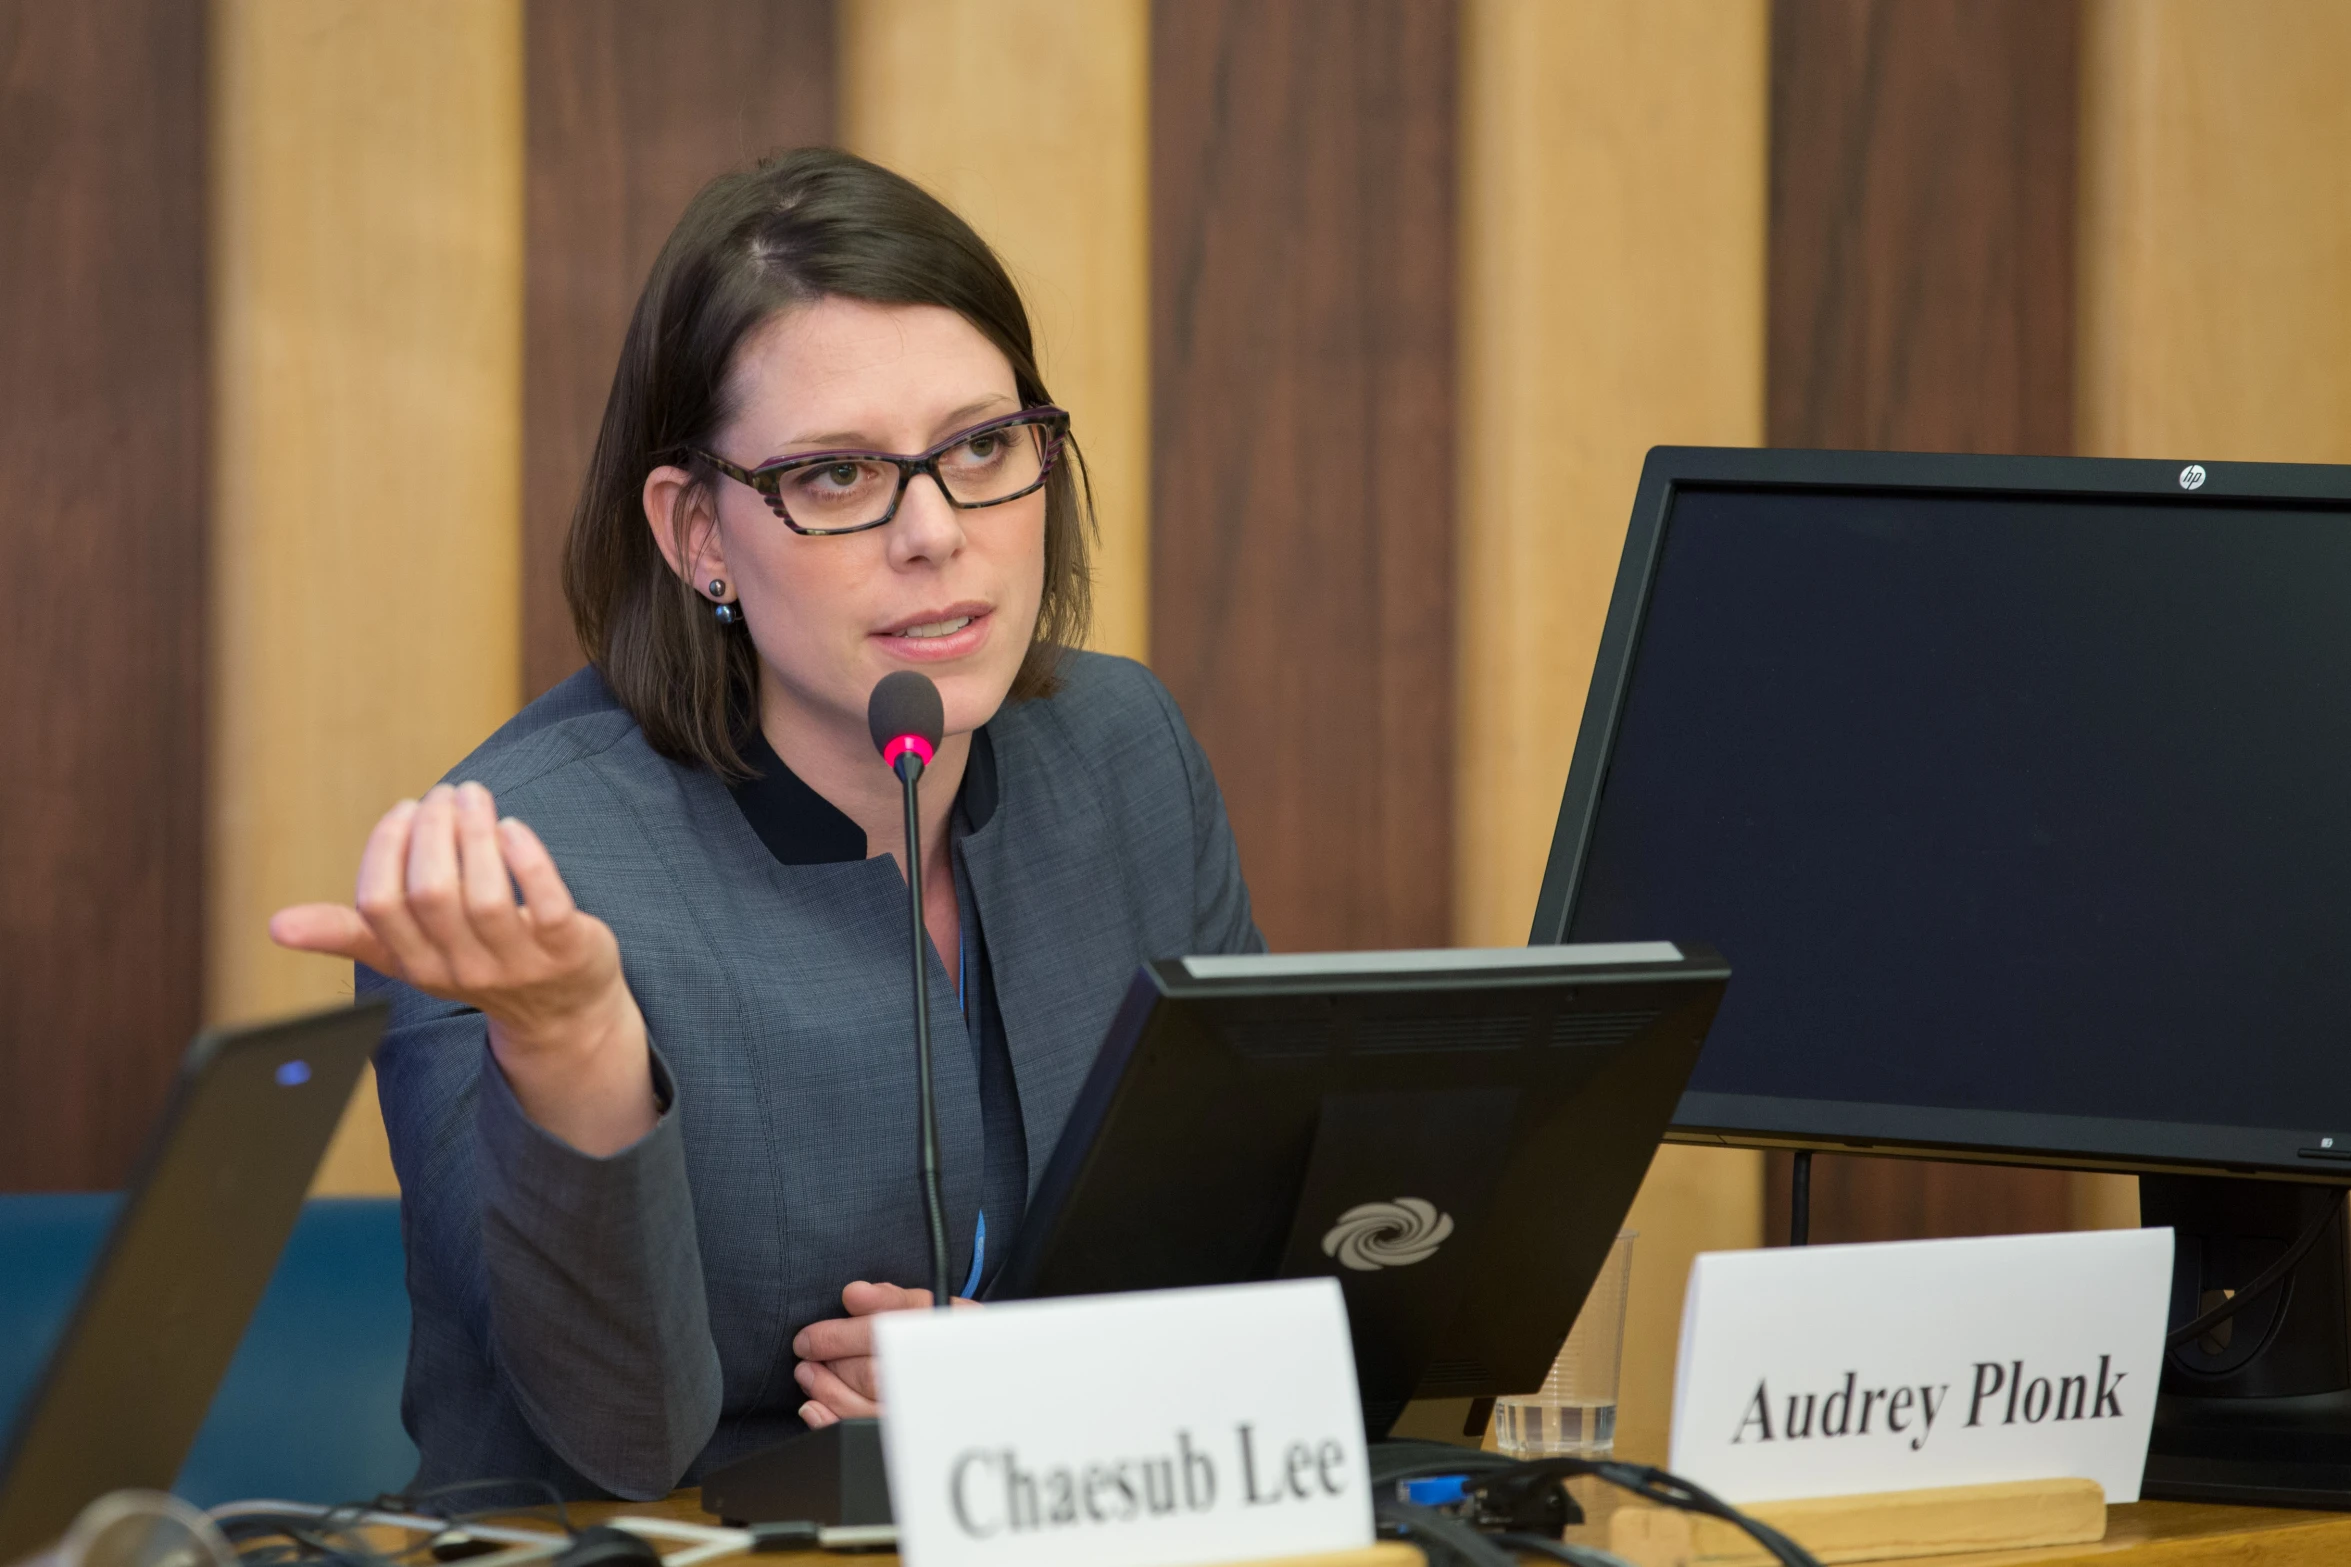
953	593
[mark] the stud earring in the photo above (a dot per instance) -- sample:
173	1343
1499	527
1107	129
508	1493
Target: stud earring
723	612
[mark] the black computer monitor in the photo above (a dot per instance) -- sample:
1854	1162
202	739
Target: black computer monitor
2019	792
1455	1135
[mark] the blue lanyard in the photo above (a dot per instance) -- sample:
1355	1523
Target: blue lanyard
979	1239
979	1255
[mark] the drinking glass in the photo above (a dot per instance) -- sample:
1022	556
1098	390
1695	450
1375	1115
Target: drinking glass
1573	1414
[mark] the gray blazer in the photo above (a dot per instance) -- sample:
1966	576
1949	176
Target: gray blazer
622	1324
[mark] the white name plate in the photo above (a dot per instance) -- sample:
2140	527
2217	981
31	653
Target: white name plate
1197	1425
1840	1370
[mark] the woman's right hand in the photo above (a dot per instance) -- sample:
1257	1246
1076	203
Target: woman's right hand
435	908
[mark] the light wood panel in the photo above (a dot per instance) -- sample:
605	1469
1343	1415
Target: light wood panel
631	109
1695	1199
2103	1202
1303	169
1612	298
2216	231
1030	118
2215	255
367	223
102	461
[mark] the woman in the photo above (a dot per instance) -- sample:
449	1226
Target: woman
654	1123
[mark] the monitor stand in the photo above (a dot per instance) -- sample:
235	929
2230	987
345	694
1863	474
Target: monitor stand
2258	1410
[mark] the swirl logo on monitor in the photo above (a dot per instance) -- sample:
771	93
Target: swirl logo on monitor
1375	1235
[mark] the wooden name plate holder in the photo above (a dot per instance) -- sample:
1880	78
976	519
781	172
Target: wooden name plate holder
1946	1522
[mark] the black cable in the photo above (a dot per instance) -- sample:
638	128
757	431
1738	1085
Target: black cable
1800	1199
1667	1490
437	1544
1394	1461
414	1502
313	1540
553	1504
1445	1540
332	1537
2266	1280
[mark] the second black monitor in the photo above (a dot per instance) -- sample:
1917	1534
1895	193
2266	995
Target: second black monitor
2017	790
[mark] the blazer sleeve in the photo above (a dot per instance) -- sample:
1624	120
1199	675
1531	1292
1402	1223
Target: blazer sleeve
581	1275
1221	921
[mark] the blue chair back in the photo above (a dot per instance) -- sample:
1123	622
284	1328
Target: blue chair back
46	1246
310	1408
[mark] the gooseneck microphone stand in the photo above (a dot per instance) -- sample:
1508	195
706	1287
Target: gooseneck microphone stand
909	768
907	720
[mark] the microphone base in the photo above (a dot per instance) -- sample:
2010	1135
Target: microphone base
832	1475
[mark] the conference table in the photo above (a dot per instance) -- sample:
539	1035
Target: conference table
2140	1534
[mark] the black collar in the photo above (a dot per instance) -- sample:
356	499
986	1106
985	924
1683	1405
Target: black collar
801	827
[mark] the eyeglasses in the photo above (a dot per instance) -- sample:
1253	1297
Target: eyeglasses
820	493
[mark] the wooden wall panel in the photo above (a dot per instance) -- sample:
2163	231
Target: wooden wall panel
1922	224
632	108
367	313
2216	231
1029	118
1302	353
102	560
1856	1198
2215	254
1612	300
1921	275
1612	239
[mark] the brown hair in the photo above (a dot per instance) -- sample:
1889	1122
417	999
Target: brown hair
800	227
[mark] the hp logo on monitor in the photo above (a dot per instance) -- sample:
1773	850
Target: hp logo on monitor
2192	476
1375	1235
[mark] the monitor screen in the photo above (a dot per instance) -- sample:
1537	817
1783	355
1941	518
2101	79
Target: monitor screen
2020	807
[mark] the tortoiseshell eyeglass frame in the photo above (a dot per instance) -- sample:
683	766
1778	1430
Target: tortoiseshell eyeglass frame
768	477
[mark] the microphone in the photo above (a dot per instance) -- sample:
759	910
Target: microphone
907	719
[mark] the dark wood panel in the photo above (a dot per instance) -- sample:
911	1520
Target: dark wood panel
102	558
1922	224
1921	298
1857	1198
632	108
1302	203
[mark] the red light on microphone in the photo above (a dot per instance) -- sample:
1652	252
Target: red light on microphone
905	717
